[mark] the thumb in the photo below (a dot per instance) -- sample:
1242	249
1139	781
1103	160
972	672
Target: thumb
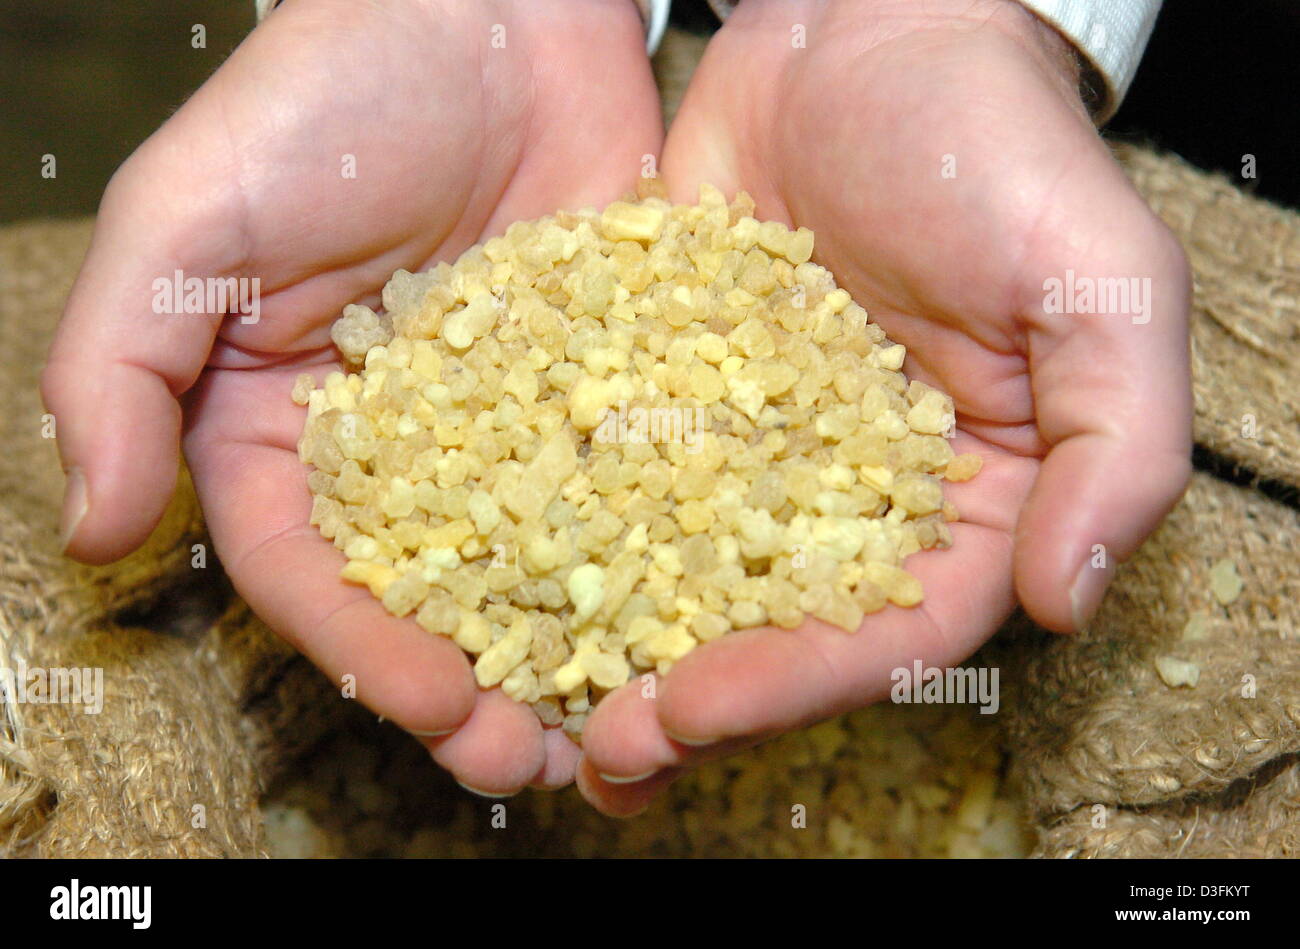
117	365
1109	360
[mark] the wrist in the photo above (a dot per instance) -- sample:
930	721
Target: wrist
650	14
1010	17
878	21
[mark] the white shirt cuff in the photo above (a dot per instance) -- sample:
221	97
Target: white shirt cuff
1111	34
656	22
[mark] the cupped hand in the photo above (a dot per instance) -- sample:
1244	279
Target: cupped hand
941	154
340	142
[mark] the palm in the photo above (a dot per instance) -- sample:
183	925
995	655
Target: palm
341	142
379	140
945	173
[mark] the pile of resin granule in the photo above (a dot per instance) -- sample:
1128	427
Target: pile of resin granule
604	438
883	781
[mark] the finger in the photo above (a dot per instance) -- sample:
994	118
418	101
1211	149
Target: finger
625	740
621	797
113	374
770	680
1112	392
254	493
190	203
498	751
562	757
758	682
990	389
621	800
628	758
765	681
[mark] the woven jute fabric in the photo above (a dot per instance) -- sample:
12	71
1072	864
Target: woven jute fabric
1117	763
203	706
1246	336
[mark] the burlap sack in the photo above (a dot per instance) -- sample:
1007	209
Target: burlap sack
1115	762
204	707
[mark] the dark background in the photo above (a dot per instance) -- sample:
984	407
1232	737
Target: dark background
87	80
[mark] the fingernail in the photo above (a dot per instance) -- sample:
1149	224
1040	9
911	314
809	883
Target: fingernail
693	742
1087	591
487	794
75	504
618	779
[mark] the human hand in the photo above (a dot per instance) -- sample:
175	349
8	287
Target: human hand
942	156
458	120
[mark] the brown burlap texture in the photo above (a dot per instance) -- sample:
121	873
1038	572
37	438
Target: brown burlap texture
199	714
